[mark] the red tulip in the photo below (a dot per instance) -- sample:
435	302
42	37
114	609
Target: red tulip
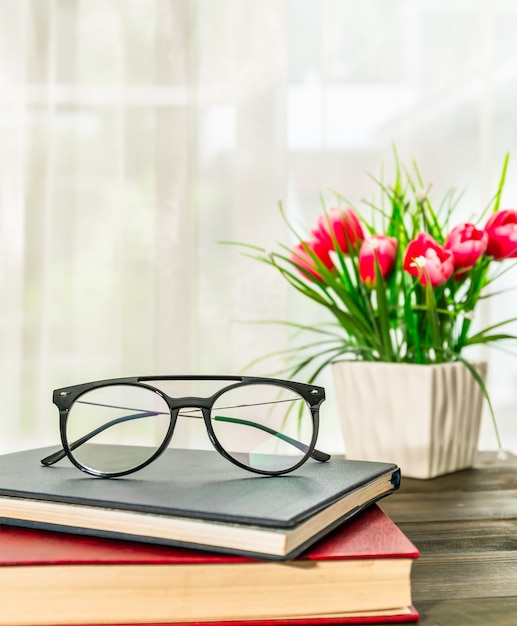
377	248
345	226
301	256
468	244
502	234
430	262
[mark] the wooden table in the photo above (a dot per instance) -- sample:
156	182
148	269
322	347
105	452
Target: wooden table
465	526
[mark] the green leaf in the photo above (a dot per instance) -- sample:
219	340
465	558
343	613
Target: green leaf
434	322
481	336
484	390
501	184
383	314
489	338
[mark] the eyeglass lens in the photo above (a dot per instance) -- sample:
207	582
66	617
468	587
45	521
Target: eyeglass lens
264	427
118	428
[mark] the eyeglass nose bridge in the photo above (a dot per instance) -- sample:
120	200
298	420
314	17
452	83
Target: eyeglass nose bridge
204	405
188	402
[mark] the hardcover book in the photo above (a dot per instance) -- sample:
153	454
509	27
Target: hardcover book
359	573
194	498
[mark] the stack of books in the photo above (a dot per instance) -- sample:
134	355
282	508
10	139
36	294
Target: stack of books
191	539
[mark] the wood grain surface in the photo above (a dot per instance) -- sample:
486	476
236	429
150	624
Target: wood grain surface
465	526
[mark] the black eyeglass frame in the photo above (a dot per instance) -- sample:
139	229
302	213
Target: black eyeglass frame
65	397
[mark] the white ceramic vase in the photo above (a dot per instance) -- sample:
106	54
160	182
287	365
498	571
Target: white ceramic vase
425	418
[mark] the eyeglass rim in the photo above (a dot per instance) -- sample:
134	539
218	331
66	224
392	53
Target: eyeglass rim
65	397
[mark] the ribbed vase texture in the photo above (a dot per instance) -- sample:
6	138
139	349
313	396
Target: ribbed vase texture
425	418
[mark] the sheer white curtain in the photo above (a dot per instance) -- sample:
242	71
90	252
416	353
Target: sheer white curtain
137	134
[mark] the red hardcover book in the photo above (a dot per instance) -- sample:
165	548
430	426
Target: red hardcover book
360	573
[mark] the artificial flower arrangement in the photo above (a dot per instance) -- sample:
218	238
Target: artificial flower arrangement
404	289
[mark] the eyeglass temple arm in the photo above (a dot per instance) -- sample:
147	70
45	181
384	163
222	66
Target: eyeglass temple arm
316	454
60	454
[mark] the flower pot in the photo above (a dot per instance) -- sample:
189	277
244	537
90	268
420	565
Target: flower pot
425	418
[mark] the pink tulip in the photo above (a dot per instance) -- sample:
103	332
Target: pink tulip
468	244
302	258
430	262
346	227
502	234
377	248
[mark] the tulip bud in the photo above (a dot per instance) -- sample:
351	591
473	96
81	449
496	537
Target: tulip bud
501	229
302	256
468	244
428	261
377	249
341	226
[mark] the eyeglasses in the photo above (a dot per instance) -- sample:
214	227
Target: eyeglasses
115	427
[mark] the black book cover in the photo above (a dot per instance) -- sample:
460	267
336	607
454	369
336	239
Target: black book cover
193	485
